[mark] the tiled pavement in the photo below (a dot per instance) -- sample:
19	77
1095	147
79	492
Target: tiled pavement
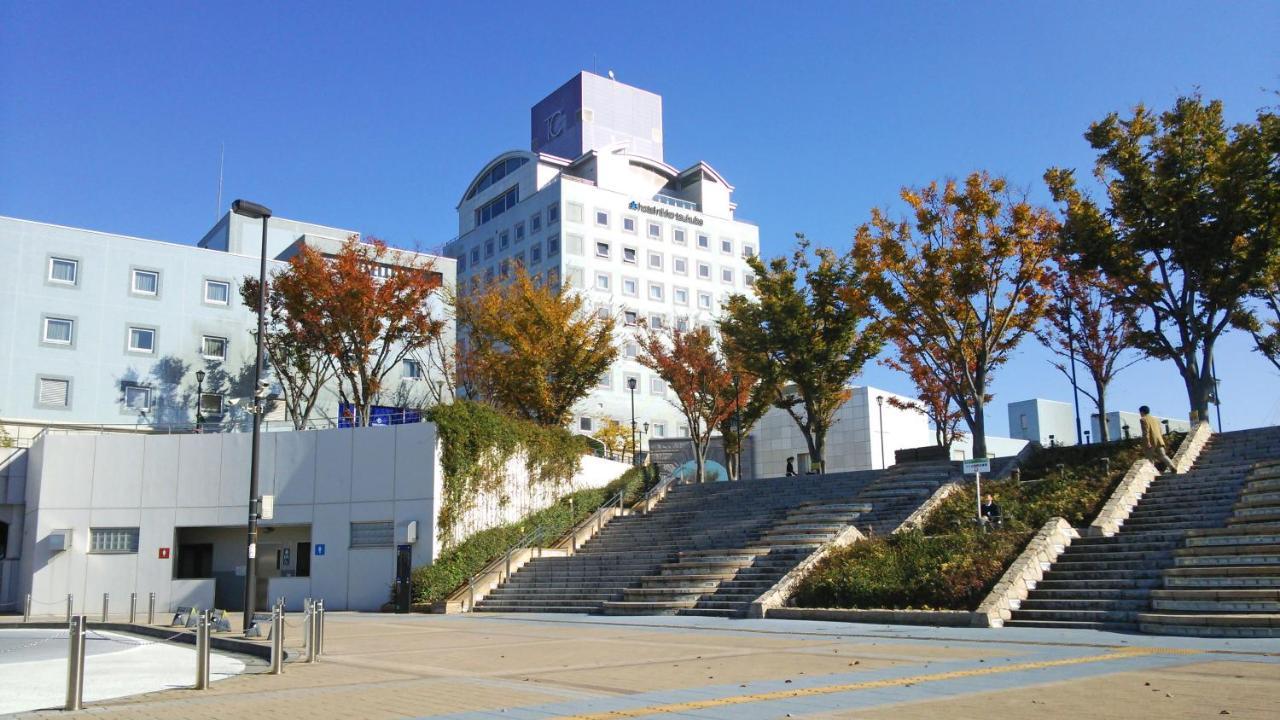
539	666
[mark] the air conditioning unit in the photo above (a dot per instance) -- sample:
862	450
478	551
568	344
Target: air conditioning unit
59	540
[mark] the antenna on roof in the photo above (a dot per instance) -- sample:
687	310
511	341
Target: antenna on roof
222	154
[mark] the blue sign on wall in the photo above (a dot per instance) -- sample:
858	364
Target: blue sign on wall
378	415
319	548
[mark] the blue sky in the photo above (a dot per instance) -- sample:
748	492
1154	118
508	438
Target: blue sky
376	118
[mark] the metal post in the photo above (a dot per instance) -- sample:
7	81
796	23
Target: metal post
277	641
977	485
75	665
70	600
202	650
26	609
106	600
251	554
309	641
151	609
471	588
133	607
1071	349
320	632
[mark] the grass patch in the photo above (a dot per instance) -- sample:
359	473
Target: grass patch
949	564
435	582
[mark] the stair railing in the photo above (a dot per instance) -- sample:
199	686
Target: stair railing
596	518
502	564
657	491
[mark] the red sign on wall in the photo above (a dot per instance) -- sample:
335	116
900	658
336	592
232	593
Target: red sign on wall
164	553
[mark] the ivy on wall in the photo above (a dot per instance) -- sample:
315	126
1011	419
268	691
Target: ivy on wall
476	444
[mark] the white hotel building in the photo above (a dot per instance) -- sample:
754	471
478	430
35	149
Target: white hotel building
593	204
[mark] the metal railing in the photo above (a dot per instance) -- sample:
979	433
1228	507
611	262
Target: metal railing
405	417
596	517
502	564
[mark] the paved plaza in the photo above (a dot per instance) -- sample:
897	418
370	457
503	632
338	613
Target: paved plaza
541	666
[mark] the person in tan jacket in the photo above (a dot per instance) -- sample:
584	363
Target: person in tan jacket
1153	440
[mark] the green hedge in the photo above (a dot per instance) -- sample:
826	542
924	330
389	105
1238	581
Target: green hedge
949	564
433	583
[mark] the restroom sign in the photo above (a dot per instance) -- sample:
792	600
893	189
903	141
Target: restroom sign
164	553
319	548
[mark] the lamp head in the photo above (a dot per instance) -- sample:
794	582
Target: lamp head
880	400
631	383
199	376
250	209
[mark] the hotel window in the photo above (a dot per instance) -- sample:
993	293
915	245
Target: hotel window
602	313
573	211
488	248
64	271
584	423
602	218
726	275
602	281
213	348
655	291
680	295
504	240
628	224
704	300
113	540
682	324
629	255
630	317
606	381
517	260
659	429
142	340
655	230
678	236
655	261
553	246
630	350
498	206
504	269
704	242
553	214
726	246
137	398
462	263
629	378
630	287
704	271
373	534
53	392
602	249
535	254
749	279
411	370
680	265
59	331
211	404
573	244
519	231
577	277
146	282
488	275
217	292
535	223
657	386
553	278
475	255
657	320
748	251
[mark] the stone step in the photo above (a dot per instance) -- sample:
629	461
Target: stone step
1087	585
1089	616
1254	518
1116	555
1269	558
1034	602
623	607
1079	593
1220	550
1211	624
1221	582
1070	624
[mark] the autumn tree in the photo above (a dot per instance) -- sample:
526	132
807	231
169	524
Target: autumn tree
963	281
808	331
296	356
440	357
751	398
1264	322
1191	217
934	402
1084	324
533	351
617	438
367	307
697	376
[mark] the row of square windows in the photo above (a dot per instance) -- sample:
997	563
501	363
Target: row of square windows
66	271
61	331
604	250
55	392
659	429
125	539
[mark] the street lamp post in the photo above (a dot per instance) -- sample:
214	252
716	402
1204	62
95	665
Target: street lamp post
254	210
880	402
199	397
631	385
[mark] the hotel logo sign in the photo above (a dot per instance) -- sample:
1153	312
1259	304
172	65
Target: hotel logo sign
666	213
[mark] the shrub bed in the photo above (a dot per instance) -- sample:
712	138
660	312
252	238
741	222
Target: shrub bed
435	582
949	564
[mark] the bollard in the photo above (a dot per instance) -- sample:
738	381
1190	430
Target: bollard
151	609
202	650
75	665
133	608
471	588
26	609
320	631
106	600
277	641
309	640
69	602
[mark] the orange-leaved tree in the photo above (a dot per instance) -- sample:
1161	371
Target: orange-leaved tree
697	375
367	306
752	396
963	281
532	351
934	402
295	355
1084	323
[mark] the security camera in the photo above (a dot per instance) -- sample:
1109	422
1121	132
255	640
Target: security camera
264	389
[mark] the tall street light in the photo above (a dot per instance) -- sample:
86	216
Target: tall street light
254	210
631	385
880	402
199	398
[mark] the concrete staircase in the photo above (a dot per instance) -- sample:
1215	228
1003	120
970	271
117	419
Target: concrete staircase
1110	582
712	549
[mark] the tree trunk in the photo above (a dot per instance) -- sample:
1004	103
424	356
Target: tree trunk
979	429
819	453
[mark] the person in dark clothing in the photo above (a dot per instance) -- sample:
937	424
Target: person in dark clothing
991	516
791	467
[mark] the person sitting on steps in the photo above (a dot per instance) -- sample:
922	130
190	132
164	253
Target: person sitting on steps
791	466
1153	440
991	515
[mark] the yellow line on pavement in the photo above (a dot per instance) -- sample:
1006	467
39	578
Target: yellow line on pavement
1119	654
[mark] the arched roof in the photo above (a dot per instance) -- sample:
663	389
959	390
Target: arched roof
474	186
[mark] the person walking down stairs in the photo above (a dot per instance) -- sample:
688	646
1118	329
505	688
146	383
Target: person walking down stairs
1153	440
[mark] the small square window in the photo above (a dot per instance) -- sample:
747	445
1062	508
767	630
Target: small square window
704	241
411	370
475	255
213	348
462	263
488	248
142	340
629	255
606	381
59	331
657	386
54	392
659	429
655	261
630	350
535	254
678	236
726	275
584	423
655	291
137	398
704	271
574	212
113	540
535	223
628	224
504	269
749	279
704	300
573	244
630	287
64	270
210	404
217	292
630	317
602	249
657	320
681	296
553	214
655	230
682	324
748	251
146	282
726	246
504	240
553	246
519	231
680	266
602	218
602	281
